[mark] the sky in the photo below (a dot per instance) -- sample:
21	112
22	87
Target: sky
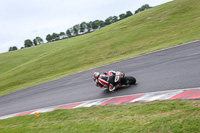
28	19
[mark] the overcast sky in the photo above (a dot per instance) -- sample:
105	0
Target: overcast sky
27	19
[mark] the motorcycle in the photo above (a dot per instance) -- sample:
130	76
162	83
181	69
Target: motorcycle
121	80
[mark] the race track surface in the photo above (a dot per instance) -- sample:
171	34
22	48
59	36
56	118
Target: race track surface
173	68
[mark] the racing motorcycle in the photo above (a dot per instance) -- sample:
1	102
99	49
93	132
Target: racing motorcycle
121	80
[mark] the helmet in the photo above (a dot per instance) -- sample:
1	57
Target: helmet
96	75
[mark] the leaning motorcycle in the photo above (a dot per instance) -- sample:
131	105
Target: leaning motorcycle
121	80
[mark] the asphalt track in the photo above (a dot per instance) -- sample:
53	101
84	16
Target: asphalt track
169	69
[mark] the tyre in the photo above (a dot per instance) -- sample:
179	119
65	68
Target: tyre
128	80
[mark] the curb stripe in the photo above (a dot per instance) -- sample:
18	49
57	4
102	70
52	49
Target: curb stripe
92	103
157	96
68	106
192	93
196	95
42	110
187	94
119	100
147	97
8	116
169	95
25	113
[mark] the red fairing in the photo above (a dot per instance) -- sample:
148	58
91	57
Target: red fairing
103	82
103	75
110	86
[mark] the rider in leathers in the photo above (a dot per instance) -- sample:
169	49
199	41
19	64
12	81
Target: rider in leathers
105	80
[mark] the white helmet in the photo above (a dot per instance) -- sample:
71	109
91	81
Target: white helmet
96	75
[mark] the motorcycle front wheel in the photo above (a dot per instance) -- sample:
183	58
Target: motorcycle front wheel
128	80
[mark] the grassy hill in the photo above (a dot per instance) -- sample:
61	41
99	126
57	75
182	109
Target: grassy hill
160	27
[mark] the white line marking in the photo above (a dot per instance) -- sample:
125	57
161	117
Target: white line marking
92	103
8	116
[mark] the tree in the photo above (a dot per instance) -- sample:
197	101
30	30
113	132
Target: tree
76	29
95	24
49	38
37	41
72	31
129	13
68	32
83	26
89	26
108	20
28	43
114	19
62	35
55	36
101	24
144	7
122	16
12	48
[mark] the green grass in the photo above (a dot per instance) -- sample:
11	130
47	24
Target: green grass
177	116
160	27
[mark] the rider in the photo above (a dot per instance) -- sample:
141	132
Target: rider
105	79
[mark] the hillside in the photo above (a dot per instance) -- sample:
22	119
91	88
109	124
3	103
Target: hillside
160	27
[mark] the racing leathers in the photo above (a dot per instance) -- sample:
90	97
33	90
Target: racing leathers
106	80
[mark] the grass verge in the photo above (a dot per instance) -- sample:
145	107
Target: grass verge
167	116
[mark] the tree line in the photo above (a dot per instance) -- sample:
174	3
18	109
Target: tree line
79	29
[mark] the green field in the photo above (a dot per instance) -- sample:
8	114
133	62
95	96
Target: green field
174	116
157	28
